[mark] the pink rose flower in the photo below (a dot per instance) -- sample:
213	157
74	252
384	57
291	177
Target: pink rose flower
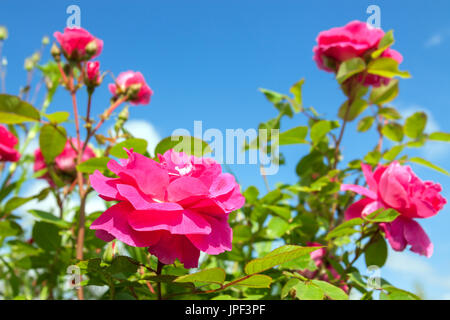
176	208
318	256
353	40
93	71
397	187
125	81
65	163
7	143
74	42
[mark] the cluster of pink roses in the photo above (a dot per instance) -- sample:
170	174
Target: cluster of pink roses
79	46
356	39
393	186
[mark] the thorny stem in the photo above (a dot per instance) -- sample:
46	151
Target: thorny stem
158	272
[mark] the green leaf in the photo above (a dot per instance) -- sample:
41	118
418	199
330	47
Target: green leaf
13	110
273	96
376	252
293	136
428	164
124	265
393	152
256	281
296	90
58	117
330	290
90	165
138	146
357	107
440	136
15	203
384	94
320	129
283	212
50	218
349	68
251	194
385	42
52	141
399	294
278	256
213	275
386	67
187	144
277	227
46	236
345	228
415	124
9	228
308	291
393	131
389	113
372	157
289	286
382	215
241	233
365	123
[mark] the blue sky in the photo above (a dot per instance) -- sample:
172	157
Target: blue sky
205	61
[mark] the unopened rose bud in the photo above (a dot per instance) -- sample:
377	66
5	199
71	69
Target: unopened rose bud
3	33
91	48
36	57
124	114
29	64
45	40
56	52
133	90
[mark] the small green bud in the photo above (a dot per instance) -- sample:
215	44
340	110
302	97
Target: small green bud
56	52
29	64
3	33
91	48
124	114
133	90
45	40
36	57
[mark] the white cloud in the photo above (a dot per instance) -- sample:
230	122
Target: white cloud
417	267
145	130
437	38
434	40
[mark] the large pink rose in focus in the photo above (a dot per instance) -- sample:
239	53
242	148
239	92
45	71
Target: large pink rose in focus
128	78
177	207
351	41
74	41
7	143
65	163
397	187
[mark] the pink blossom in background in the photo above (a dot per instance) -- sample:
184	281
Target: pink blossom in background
396	186
74	41
176	207
353	40
128	78
318	256
7	143
65	163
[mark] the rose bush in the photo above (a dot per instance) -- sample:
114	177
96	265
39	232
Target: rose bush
161	213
